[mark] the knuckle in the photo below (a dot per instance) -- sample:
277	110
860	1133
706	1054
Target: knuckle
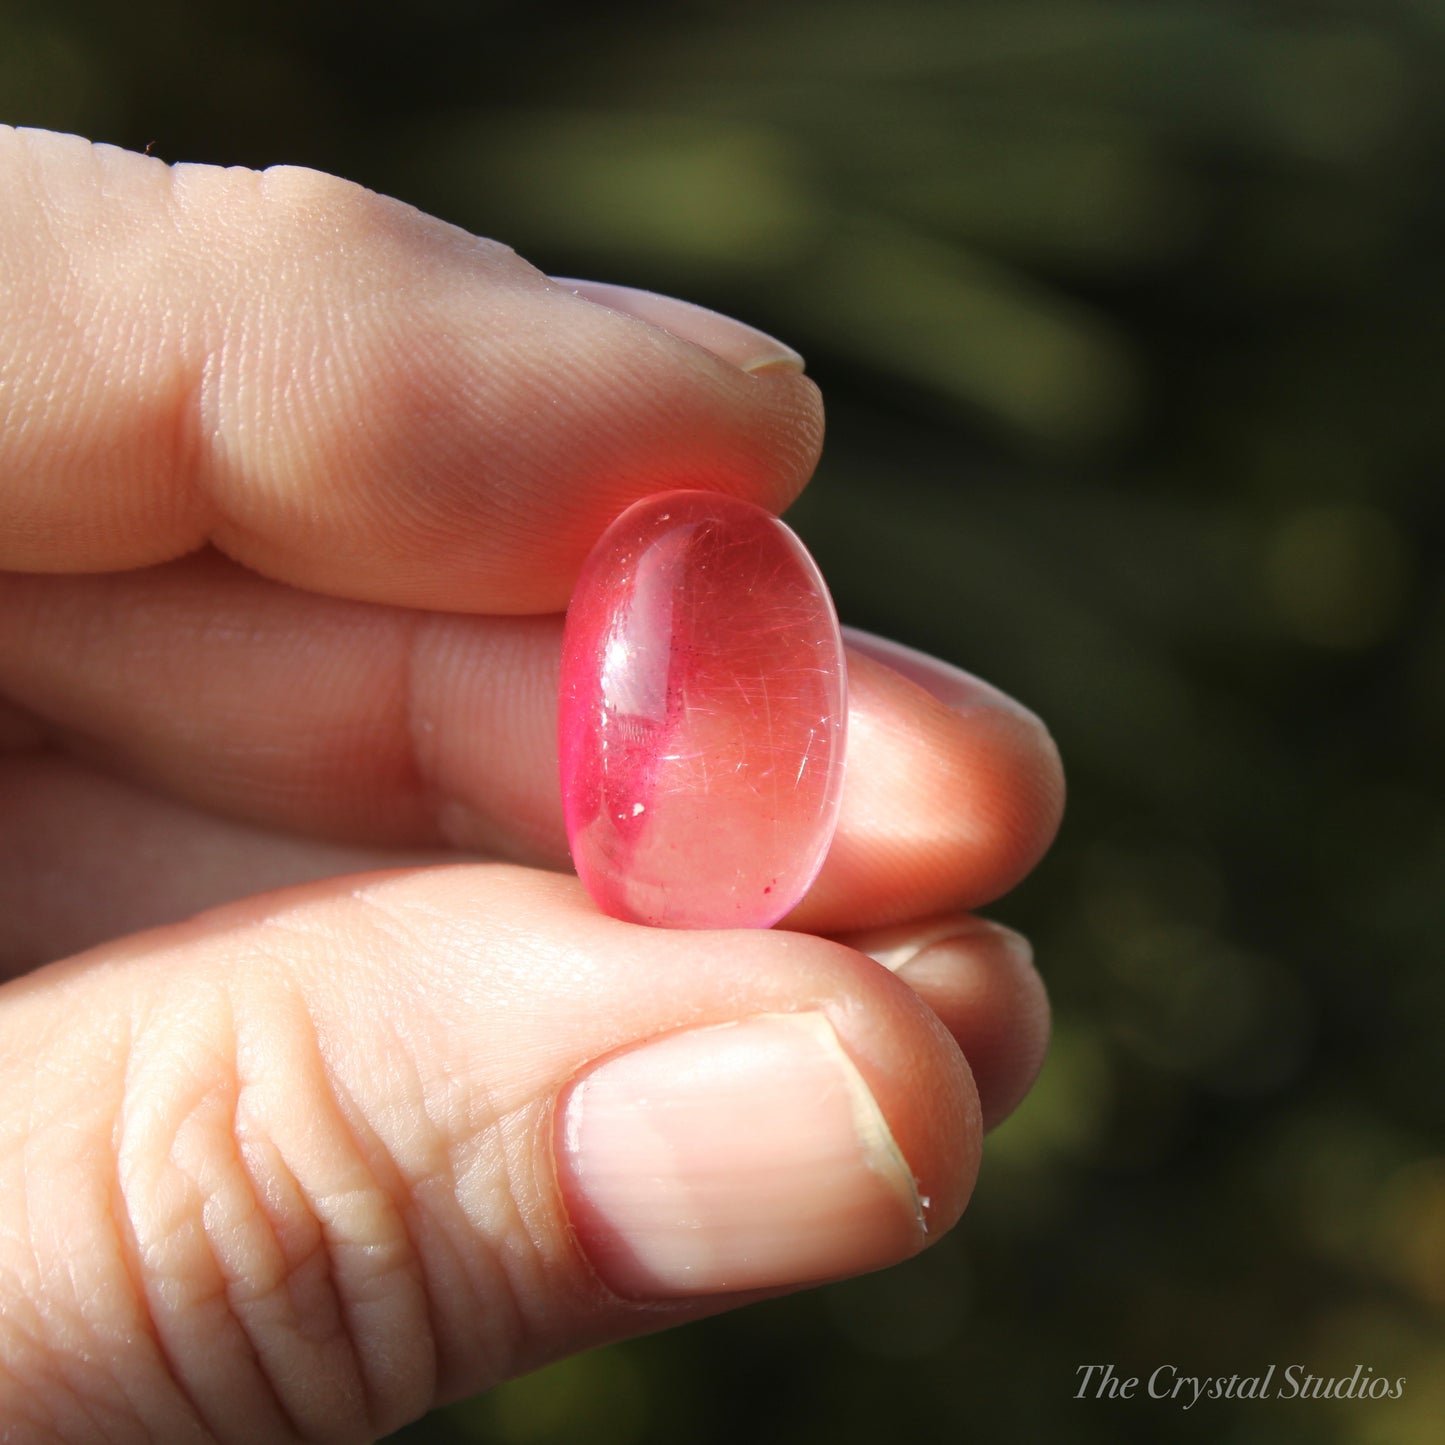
242	1218
81	259
268	1243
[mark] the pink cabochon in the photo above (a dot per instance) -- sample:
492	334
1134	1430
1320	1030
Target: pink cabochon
703	715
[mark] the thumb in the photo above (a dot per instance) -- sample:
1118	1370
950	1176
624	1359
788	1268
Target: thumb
306	1166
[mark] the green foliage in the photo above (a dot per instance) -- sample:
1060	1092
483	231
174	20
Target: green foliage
1129	318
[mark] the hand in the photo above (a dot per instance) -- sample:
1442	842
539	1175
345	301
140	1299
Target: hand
294	483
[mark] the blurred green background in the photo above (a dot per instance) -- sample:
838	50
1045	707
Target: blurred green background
1130	316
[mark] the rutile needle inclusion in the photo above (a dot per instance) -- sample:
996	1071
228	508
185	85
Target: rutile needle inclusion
703	715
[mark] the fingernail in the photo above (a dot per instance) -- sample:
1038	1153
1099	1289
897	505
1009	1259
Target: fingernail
746	1156
952	686
745	347
912	953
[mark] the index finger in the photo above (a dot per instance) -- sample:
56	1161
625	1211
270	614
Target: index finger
342	393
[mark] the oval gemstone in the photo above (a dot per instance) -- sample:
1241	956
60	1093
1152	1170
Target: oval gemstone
703	715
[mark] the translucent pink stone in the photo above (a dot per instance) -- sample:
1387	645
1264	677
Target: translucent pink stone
703	714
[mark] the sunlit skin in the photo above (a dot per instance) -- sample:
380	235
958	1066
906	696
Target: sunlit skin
324	1087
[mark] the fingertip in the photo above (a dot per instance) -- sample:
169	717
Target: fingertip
946	805
925	1088
979	978
344	394
1016	744
735	1110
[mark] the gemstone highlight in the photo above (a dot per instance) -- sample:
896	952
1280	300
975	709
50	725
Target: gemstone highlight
703	715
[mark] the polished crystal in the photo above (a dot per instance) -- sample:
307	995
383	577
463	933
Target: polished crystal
703	715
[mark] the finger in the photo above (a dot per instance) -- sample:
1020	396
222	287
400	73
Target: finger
372	726
343	393
20	729
953	792
308	1165
86	857
979	978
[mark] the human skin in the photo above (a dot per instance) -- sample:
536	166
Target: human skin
326	1094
